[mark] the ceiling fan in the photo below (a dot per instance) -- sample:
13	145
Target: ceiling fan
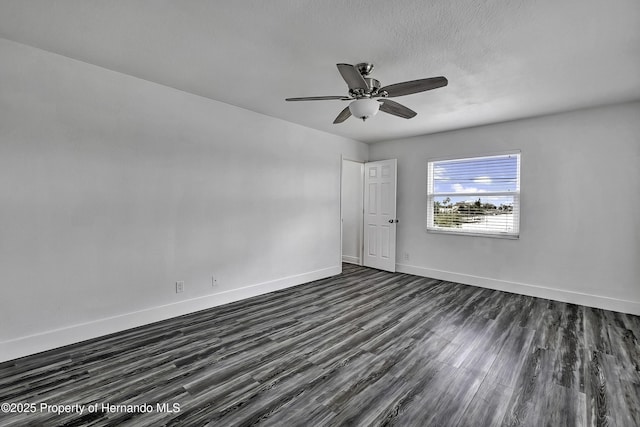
363	91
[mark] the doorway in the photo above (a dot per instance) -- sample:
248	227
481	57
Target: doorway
352	202
368	213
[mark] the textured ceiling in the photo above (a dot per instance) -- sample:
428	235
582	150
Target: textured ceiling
504	59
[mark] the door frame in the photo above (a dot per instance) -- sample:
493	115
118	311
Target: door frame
361	216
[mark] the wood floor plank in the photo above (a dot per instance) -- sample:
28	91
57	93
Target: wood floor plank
529	391
366	347
596	331
611	400
489	405
508	364
444	399
562	406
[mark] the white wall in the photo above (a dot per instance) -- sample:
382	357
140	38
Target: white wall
113	188
352	208
580	227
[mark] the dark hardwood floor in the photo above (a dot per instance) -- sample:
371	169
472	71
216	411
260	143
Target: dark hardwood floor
362	348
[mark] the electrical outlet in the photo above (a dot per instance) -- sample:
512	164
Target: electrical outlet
214	281
405	256
179	287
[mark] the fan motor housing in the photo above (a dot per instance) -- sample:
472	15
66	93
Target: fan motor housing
372	89
373	84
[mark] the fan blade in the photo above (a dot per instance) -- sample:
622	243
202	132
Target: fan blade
344	115
392	107
319	98
352	76
414	86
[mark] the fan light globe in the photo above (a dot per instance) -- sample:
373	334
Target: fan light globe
364	108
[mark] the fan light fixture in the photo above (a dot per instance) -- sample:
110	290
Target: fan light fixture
364	108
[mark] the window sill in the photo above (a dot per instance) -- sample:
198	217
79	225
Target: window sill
509	236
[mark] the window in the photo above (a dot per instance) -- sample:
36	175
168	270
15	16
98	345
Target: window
476	195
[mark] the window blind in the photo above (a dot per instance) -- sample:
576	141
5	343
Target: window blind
476	195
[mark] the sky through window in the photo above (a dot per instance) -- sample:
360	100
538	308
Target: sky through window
466	180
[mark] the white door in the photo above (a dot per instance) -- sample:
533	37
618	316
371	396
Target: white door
380	214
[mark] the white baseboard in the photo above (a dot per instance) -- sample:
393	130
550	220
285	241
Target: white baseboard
48	340
597	301
351	259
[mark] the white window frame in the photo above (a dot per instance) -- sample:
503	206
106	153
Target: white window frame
431	228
